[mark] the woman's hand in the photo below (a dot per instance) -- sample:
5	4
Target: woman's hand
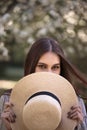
8	115
76	114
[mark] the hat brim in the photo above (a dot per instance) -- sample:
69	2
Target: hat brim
44	81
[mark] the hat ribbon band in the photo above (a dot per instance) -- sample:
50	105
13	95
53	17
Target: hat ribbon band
44	93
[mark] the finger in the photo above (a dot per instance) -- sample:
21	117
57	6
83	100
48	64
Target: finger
76	116
10	117
76	109
8	114
5	116
8	104
6	110
75	113
7	124
72	115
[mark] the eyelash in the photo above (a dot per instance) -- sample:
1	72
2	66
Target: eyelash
56	67
41	66
44	67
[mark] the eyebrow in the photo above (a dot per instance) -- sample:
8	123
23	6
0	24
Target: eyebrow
46	64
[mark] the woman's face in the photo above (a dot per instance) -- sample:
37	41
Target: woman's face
49	62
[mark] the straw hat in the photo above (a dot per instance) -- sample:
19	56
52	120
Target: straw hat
41	102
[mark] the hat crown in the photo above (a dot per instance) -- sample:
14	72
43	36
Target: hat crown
42	112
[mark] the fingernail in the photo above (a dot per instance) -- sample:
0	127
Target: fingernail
13	121
14	115
12	104
72	107
68	113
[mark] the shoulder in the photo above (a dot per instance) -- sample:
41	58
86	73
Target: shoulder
81	101
5	97
79	98
82	104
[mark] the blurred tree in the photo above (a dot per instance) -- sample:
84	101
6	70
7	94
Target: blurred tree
23	21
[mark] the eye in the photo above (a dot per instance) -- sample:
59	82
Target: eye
41	66
56	67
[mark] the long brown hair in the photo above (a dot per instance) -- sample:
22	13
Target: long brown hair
68	71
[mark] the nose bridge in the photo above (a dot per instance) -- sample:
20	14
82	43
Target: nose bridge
49	69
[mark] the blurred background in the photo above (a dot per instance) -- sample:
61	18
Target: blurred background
23	21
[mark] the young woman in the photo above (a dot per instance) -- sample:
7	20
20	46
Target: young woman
47	55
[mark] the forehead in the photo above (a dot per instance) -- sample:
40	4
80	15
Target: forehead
50	57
